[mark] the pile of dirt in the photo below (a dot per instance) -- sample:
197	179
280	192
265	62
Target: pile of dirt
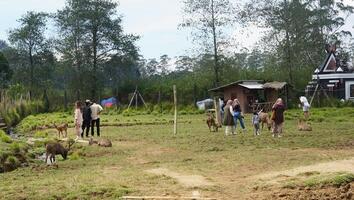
344	192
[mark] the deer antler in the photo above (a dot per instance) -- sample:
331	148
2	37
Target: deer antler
71	142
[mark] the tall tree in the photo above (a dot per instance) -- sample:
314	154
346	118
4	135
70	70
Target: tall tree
209	18
29	37
5	72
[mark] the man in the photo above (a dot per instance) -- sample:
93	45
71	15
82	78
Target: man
305	107
96	109
86	114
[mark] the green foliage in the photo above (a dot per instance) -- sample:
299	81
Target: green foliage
5	138
336	179
41	134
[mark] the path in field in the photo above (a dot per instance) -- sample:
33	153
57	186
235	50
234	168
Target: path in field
346	165
186	180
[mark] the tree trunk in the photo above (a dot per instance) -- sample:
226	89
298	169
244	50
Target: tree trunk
31	73
94	73
216	67
288	45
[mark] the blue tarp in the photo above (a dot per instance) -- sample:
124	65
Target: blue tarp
109	102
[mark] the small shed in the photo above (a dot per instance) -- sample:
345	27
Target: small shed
253	95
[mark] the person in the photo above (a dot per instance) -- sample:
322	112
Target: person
255	122
78	119
86	114
228	120
305	107
278	117
222	105
238	114
96	109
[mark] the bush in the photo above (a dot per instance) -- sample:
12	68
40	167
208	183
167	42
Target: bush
11	163
5	138
41	134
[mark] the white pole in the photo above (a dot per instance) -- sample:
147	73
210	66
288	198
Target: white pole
175	101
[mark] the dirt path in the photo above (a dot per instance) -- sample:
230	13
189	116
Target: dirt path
346	165
186	180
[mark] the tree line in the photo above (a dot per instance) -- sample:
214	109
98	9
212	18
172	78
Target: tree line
91	56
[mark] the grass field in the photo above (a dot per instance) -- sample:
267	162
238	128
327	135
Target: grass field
226	167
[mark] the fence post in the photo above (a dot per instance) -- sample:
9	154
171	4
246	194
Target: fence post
175	102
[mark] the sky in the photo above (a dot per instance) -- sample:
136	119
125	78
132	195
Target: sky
155	21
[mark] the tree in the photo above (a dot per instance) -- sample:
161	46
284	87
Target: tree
29	38
209	18
5	72
93	34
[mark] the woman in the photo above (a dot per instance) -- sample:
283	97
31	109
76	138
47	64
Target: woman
238	114
228	118
78	119
305	107
278	117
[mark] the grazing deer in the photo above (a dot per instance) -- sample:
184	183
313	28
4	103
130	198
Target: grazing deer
56	148
101	142
264	118
211	123
303	126
61	129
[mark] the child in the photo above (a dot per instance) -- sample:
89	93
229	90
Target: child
255	122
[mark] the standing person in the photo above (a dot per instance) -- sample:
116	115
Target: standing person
87	118
228	120
96	109
255	122
305	107
78	119
278	117
238	114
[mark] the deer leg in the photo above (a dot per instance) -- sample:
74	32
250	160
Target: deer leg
46	158
262	125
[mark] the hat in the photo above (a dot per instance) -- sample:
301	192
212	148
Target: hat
88	101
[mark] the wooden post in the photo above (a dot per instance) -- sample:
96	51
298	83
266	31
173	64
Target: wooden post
175	101
217	111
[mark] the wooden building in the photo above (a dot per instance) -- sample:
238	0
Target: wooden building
333	78
253	94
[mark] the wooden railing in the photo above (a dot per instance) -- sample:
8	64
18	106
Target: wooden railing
266	106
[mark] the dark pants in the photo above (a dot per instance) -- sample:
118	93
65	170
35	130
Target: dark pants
86	124
97	122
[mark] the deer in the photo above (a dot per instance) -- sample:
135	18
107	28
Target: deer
61	128
303	126
55	148
265	119
101	142
211	123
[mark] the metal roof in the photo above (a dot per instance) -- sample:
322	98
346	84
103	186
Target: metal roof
252	85
235	83
275	85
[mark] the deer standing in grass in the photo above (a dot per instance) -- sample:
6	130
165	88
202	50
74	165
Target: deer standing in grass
61	129
56	148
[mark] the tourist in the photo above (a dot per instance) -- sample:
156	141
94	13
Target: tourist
228	120
87	118
278	117
96	109
238	114
305	107
78	119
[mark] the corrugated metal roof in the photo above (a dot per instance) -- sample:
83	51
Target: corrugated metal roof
234	83
275	85
252	86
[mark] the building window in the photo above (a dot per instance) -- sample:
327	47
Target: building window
351	91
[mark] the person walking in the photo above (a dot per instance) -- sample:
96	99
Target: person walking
96	109
278	117
86	114
228	120
238	115
78	119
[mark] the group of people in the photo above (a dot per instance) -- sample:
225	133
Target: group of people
232	114
86	117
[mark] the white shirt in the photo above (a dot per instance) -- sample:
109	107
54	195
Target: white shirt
95	111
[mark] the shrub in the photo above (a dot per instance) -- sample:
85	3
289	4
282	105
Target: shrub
11	163
41	134
5	138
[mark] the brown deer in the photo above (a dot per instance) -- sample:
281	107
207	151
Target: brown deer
102	142
265	119
211	123
61	129
55	148
303	126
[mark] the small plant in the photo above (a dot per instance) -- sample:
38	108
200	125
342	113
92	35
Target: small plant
5	138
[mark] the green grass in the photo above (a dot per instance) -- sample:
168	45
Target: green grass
336	179
108	173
